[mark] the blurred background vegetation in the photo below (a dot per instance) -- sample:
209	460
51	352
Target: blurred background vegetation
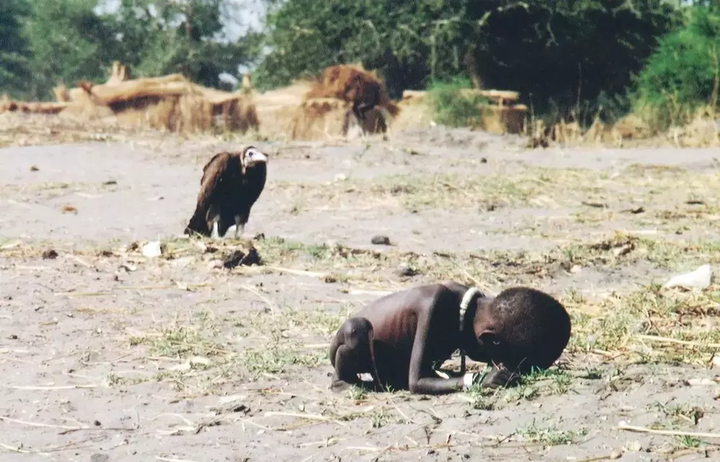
575	59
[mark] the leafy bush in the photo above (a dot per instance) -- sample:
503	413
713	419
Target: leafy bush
683	75
452	108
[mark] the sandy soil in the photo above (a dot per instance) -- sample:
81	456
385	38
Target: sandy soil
111	356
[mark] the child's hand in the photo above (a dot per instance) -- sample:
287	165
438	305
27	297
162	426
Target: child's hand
499	377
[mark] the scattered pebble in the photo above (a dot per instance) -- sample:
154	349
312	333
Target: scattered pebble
380	240
34	168
69	209
99	458
483	160
49	254
404	270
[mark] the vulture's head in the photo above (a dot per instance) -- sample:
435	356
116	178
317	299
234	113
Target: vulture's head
252	156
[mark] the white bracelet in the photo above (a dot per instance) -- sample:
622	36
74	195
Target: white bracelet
468	380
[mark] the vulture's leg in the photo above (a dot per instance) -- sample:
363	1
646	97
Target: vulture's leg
240	221
214	233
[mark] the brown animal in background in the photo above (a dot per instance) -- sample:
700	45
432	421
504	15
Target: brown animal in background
363	89
400	338
230	185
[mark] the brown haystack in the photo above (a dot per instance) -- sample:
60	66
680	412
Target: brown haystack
331	118
326	109
352	84
170	103
319	119
279	108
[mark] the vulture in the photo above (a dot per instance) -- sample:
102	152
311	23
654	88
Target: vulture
230	185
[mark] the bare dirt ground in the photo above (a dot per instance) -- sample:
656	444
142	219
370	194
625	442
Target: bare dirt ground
108	355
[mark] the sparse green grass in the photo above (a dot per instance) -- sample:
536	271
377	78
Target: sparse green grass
625	326
276	359
178	342
689	441
549	435
681	414
536	187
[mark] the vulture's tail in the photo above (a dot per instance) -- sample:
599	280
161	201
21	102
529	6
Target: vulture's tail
198	225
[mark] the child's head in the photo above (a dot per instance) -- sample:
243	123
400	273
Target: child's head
521	328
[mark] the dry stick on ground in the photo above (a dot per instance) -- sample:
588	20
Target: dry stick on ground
653	338
305	416
170	459
273	307
630	428
58	387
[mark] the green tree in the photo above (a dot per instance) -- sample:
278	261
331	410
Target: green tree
69	42
684	73
161	37
14	49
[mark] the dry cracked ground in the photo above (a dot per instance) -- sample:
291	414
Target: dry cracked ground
109	355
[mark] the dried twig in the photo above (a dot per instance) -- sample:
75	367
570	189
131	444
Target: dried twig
257	293
653	338
50	387
630	428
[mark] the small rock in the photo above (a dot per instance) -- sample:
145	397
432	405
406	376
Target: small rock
49	254
69	209
483	160
380	240
615	455
13	337
97	423
34	168
404	270
110	182
340	177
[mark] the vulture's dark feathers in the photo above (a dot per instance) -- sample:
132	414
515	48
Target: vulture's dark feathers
230	185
